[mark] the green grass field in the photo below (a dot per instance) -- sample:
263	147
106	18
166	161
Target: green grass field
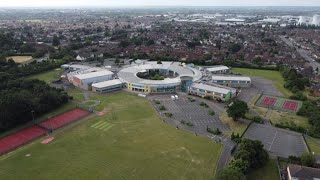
314	145
236	126
76	93
130	142
268	172
275	76
48	76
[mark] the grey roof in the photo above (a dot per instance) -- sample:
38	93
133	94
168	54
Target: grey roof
128	74
231	78
107	83
94	74
217	68
303	172
212	88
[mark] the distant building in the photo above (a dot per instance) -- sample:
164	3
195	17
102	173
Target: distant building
232	81
218	69
215	91
107	86
297	172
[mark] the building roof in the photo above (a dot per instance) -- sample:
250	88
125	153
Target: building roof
207	87
303	172
107	83
217	68
128	74
231	78
93	74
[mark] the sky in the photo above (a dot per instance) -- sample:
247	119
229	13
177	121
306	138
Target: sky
127	3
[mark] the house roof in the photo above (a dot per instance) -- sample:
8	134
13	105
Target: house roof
303	172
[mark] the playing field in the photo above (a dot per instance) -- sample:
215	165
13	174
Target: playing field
279	103
48	76
274	76
130	142
21	59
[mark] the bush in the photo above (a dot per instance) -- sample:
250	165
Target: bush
257	119
211	113
186	123
214	131
292	126
235	137
157	102
191	99
162	108
204	104
169	115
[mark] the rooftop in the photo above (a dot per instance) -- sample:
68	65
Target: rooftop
107	83
94	74
217	68
231	78
210	88
128	73
303	172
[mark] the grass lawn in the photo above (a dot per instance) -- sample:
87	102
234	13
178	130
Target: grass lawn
76	93
275	76
268	172
235	126
314	145
286	117
137	146
48	76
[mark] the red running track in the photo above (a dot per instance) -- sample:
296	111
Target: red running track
20	138
269	101
64	119
290	105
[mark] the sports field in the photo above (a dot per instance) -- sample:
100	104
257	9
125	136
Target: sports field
21	59
130	142
274	76
49	76
279	103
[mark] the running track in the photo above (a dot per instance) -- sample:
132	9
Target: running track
26	135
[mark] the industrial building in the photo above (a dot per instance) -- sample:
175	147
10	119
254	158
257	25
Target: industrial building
232	81
107	86
217	92
85	80
218	69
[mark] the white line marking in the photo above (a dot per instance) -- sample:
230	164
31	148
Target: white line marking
274	137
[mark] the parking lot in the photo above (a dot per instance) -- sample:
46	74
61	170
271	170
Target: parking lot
278	142
183	109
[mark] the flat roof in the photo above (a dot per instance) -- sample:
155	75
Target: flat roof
94	74
231	78
217	68
210	88
107	83
128	74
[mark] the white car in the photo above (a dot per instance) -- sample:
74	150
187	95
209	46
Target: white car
176	96
173	98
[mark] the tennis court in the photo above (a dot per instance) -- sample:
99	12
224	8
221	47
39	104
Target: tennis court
279	103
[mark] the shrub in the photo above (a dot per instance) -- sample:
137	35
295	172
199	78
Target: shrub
157	102
162	108
186	123
204	104
257	119
214	131
169	115
211	113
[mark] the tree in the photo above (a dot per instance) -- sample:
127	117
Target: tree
307	159
237	109
55	40
230	173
